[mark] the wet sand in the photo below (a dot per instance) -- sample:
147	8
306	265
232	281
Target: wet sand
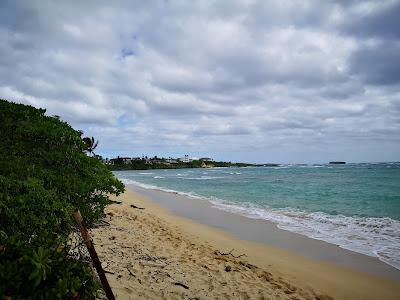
154	253
267	233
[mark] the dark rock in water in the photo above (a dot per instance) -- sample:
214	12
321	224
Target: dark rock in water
337	162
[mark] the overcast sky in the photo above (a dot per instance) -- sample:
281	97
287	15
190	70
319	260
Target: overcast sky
256	81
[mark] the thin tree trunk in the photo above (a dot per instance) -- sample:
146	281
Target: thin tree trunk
96	262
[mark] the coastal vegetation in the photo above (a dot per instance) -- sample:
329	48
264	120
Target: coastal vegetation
162	163
45	174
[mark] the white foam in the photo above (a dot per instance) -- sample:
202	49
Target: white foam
158	177
377	237
203	178
154	187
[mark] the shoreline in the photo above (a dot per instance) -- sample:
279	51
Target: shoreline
308	275
265	232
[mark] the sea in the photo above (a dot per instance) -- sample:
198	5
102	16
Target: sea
354	206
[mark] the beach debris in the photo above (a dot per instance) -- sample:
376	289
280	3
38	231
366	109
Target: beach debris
102	223
130	272
115	202
147	257
182	285
137	207
217	252
228	268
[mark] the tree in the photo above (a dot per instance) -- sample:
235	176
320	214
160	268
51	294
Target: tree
44	175
90	144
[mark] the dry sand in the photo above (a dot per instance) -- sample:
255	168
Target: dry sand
152	254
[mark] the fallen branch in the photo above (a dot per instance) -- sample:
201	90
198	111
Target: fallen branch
130	272
115	202
137	207
222	253
217	252
182	285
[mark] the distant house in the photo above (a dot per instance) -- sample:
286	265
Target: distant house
185	159
206	159
171	161
118	160
126	160
106	161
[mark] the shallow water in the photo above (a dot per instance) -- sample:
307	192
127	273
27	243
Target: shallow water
355	206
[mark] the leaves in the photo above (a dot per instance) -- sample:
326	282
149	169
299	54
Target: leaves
90	144
41	262
44	174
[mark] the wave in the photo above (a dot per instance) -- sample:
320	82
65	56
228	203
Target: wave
154	187
158	177
203	178
376	237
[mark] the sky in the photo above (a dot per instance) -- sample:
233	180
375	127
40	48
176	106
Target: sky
280	81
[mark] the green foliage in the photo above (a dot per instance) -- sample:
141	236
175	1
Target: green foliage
141	164
44	175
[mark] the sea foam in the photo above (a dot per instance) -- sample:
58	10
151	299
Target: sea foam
376	237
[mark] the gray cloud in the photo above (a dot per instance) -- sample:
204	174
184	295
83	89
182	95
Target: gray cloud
378	63
376	19
238	80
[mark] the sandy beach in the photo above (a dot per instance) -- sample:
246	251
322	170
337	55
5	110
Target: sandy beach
151	253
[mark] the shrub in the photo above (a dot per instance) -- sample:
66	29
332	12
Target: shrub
44	175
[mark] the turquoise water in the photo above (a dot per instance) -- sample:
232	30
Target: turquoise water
356	206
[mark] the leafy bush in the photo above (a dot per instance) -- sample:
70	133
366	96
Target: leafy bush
44	175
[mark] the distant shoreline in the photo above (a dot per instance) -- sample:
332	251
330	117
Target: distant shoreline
140	165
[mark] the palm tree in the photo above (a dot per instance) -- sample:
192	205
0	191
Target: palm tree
90	144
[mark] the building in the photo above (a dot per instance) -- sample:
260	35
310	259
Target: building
171	161
185	159
206	159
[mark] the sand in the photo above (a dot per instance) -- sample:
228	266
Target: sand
152	254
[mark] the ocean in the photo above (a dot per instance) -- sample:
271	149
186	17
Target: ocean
355	206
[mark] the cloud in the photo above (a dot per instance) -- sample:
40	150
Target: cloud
378	19
378	63
246	80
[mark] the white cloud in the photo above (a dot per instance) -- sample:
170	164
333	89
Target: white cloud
248	80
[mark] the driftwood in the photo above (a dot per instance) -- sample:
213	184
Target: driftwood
137	207
115	202
130	272
217	252
182	285
93	254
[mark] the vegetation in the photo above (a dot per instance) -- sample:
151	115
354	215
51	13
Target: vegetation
143	164
45	174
